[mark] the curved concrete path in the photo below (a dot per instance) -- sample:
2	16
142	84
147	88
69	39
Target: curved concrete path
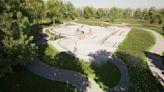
123	84
82	82
154	57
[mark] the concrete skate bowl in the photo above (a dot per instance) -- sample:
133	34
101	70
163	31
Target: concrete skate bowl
100	39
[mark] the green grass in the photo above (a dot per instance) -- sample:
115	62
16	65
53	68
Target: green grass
51	51
24	81
156	28
132	52
106	78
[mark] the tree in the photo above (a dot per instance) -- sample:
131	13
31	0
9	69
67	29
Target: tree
53	10
88	12
162	12
35	10
106	13
157	18
15	46
78	12
151	14
69	11
138	13
115	13
154	16
145	14
100	13
127	13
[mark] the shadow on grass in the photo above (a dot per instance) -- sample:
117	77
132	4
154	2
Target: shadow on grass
140	75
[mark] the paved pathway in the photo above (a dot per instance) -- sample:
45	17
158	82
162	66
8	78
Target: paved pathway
123	84
82	82
154	58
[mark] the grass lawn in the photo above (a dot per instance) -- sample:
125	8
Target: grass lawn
107	76
24	81
132	52
156	28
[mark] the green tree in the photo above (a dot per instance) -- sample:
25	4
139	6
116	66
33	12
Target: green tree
138	13
88	12
15	46
69	11
145	14
78	12
127	13
54	10
35	10
100	13
162	12
106	13
115	13
151	14
157	18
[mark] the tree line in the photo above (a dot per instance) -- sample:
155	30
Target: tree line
16	16
152	15
58	10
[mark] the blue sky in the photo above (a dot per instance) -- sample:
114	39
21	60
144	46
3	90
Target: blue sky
118	3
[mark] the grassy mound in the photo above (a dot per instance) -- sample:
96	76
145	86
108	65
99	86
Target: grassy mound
106	78
24	81
132	52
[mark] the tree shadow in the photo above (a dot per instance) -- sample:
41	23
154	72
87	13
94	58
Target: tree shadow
100	57
155	59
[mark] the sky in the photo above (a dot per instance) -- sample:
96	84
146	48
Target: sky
118	3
